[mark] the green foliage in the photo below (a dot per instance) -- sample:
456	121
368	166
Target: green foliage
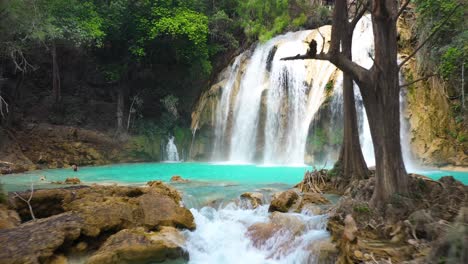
262	19
319	138
451	59
221	32
448	49
147	143
362	209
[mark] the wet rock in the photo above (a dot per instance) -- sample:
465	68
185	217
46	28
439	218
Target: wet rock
255	198
161	188
312	209
259	233
179	179
45	202
138	246
8	218
36	241
285	201
164	211
73	180
314	198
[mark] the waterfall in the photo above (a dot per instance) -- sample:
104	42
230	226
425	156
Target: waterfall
223	109
171	150
292	100
247	105
267	117
266	106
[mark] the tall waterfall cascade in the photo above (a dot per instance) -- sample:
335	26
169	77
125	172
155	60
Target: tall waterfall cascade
264	108
171	150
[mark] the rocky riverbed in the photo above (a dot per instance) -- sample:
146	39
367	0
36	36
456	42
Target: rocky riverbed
106	224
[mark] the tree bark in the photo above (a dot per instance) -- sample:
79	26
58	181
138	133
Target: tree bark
56	88
382	103
351	160
120	109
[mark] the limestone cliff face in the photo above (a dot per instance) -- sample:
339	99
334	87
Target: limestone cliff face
437	138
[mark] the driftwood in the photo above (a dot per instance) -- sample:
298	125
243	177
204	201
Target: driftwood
28	201
314	181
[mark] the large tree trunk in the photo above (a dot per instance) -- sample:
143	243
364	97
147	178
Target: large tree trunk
351	160
381	100
120	109
56	89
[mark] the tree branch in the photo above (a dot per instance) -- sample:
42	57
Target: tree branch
402	8
359	15
418	80
430	36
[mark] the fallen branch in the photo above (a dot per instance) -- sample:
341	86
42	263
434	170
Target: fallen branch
28	201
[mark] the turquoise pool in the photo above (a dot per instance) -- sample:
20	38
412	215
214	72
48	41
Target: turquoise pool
203	175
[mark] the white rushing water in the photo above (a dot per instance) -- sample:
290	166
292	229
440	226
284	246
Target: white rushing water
228	235
292	102
223	109
247	105
171	150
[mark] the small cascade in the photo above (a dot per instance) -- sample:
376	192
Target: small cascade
223	233
171	150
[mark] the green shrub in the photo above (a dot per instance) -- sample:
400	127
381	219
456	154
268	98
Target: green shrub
362	209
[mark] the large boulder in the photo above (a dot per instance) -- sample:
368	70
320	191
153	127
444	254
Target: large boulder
138	246
285	201
36	241
254	198
163	211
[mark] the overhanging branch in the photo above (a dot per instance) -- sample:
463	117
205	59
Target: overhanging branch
418	80
402	8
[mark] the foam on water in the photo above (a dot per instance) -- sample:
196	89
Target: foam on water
222	236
